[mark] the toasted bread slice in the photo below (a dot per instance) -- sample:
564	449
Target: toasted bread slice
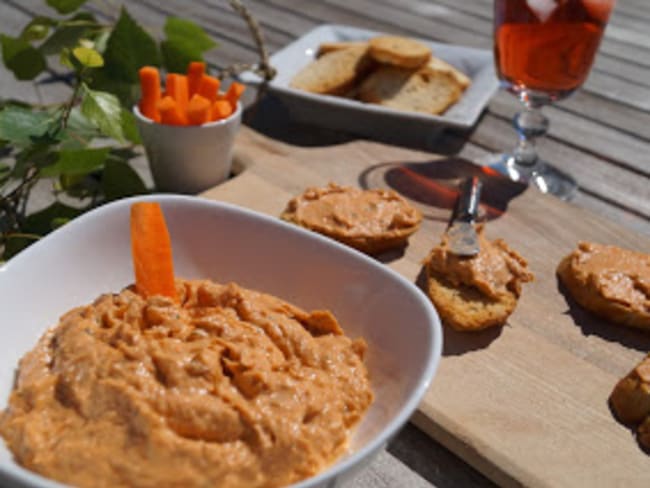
424	90
473	293
399	51
438	64
465	308
328	47
333	73
630	399
610	282
372	220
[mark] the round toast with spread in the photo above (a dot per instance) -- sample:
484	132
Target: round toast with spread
372	221
473	293
610	282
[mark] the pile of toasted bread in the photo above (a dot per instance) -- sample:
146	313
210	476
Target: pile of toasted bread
396	72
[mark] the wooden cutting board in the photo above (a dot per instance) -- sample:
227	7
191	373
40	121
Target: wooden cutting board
525	404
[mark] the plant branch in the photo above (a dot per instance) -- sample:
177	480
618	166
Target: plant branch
23	235
70	103
263	68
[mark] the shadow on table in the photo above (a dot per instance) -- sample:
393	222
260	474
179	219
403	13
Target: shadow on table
457	343
435	183
433	462
593	325
271	118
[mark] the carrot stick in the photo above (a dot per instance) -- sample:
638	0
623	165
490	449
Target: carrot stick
176	87
151	250
198	110
209	88
150	87
195	72
170	112
221	109
235	91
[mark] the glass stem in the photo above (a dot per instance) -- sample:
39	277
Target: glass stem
530	124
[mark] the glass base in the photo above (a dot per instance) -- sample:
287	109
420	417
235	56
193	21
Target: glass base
541	175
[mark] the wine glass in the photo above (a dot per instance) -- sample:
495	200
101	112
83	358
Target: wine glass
543	51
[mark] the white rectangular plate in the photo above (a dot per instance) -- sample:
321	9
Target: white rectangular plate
369	119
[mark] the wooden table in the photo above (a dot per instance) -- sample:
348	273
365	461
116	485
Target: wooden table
601	135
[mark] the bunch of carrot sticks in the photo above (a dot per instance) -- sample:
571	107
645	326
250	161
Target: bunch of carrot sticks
190	99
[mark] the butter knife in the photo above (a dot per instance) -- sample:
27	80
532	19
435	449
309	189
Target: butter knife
463	240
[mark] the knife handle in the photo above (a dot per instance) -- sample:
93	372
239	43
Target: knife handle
469	199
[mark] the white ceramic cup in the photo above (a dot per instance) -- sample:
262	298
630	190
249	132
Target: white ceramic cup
189	159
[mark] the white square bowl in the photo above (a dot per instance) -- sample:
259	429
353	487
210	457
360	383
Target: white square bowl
91	255
371	119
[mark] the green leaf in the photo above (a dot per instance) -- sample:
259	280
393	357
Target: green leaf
39	154
24	60
125	91
105	111
41	222
129	127
101	41
76	162
80	186
20	125
186	30
14	244
59	222
65	6
186	42
79	132
68	33
128	49
176	57
88	57
120	180
37	29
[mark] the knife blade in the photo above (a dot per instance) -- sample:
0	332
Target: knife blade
463	240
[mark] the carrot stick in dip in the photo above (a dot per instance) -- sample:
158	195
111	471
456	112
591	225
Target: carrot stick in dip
151	250
209	88
170	112
233	94
195	72
221	109
150	87
198	110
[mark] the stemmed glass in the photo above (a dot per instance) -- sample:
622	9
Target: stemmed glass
543	52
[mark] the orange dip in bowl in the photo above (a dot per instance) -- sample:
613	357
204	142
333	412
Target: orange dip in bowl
229	388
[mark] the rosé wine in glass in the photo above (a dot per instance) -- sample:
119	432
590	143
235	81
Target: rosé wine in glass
543	51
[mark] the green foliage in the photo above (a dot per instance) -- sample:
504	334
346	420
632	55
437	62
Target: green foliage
120	180
75	162
45	220
37	29
185	42
104	110
88	57
65	6
83	146
69	32
22	126
128	49
21	57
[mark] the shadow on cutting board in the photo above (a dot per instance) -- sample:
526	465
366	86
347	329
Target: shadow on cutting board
434	184
458	343
590	324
